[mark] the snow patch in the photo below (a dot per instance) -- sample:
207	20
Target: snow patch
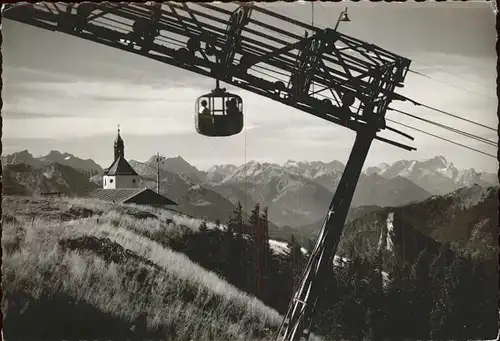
338	260
449	171
282	247
408	170
200	203
390	232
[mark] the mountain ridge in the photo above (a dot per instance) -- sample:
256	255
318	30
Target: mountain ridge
54	156
324	172
297	193
466	218
23	179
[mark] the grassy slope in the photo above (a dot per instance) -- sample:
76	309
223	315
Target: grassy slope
101	276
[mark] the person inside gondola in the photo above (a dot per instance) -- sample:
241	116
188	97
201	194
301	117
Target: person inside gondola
232	108
204	108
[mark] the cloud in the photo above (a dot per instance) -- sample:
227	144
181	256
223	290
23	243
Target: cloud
76	99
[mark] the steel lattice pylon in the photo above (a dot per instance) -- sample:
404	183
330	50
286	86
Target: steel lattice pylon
233	44
298	319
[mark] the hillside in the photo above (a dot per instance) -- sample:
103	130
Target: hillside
23	179
79	269
376	190
310	231
466	219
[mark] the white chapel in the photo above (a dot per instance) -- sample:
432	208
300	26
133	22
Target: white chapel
120	174
120	183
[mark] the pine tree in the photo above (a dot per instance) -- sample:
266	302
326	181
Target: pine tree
483	292
419	297
253	220
235	224
296	261
265	226
442	313
328	321
262	253
398	317
451	316
377	315
203	227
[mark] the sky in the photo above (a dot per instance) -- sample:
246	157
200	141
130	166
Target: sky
64	93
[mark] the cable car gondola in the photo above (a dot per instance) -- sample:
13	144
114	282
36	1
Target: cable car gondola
219	113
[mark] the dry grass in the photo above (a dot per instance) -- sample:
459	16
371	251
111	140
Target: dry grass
176	296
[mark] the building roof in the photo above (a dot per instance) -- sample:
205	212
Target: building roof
116	195
120	167
149	197
140	196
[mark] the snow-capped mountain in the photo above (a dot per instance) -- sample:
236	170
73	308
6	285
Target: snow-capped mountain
436	175
326	174
217	173
292	199
299	193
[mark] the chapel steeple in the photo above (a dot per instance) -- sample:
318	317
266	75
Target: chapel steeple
119	147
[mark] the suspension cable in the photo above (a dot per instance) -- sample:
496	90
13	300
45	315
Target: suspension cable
458	131
449	84
441	138
446	113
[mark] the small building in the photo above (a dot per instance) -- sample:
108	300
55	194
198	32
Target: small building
120	183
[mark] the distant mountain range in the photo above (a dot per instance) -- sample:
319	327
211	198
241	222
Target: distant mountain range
24	179
87	166
435	175
297	193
